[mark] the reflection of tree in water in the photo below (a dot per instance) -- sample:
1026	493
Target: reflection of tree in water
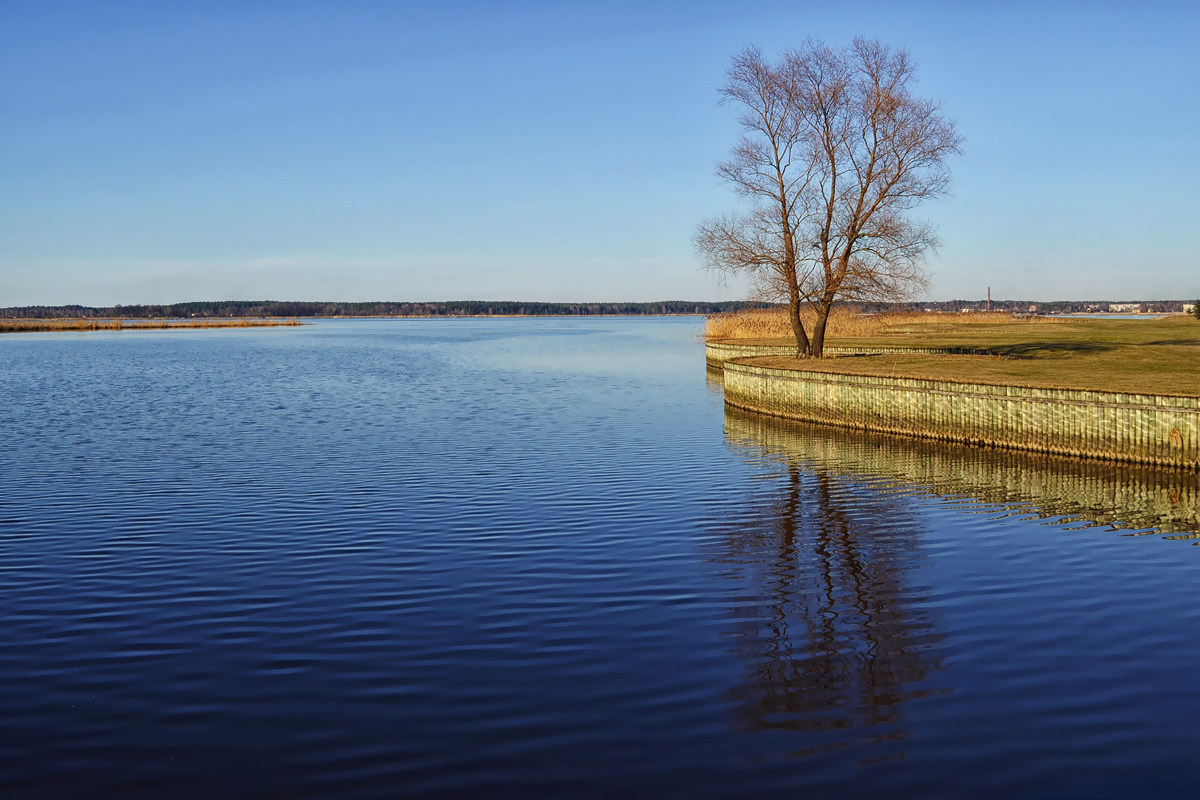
835	643
835	635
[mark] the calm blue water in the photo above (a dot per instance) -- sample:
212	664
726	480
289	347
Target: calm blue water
509	557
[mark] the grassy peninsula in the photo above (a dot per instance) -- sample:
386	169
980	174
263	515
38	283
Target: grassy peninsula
1147	356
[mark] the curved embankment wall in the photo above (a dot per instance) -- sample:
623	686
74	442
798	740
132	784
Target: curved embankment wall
717	353
1125	427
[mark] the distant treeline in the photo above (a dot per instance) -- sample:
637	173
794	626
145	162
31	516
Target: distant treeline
512	308
459	308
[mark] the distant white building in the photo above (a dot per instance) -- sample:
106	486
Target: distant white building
1124	308
1188	308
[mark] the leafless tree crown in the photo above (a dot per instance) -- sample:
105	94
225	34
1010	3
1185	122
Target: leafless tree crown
836	151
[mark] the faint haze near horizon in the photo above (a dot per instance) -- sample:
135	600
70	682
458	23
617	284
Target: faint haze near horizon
159	153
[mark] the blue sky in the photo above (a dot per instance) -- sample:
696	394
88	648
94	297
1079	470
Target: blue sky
162	152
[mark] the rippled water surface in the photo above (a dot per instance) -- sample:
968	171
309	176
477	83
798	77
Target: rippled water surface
511	557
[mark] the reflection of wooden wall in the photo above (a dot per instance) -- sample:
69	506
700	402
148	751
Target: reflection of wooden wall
1129	495
1124	427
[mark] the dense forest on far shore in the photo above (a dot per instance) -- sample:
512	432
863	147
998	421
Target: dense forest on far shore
462	308
485	308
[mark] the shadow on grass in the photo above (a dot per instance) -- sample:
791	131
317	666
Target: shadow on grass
1050	349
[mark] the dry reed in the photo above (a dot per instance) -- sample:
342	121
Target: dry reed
844	323
105	324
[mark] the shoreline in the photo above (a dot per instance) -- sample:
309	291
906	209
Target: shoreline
87	324
1133	427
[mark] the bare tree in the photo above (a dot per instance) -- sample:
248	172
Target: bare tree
836	151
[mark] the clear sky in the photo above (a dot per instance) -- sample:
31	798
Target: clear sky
157	152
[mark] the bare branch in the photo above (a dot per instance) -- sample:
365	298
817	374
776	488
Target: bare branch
836	150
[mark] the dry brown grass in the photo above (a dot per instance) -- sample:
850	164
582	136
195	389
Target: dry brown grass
773	323
92	324
1137	356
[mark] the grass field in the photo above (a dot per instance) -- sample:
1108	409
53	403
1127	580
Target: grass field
92	324
1158	356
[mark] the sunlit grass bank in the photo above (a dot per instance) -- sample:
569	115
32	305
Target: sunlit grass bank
1160	356
91	324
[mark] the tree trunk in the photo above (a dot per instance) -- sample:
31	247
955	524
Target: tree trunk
818	338
802	346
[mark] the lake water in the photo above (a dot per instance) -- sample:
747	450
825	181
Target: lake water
508	557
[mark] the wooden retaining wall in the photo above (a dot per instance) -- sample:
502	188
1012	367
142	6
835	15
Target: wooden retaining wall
1124	427
717	353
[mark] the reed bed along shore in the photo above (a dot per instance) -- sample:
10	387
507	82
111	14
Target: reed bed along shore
844	323
94	324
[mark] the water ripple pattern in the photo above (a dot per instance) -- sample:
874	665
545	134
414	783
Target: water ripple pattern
458	558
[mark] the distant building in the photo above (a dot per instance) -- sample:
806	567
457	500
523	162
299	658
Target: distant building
1124	308
1188	308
